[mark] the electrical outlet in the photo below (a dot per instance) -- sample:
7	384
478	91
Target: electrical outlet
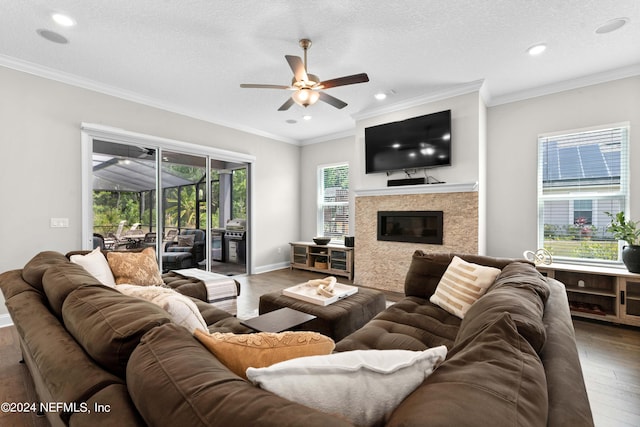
279	250
59	223
581	283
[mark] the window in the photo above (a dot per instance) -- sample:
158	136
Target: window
333	201
581	175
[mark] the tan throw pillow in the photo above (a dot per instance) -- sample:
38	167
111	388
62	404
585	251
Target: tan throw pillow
241	351
186	241
461	285
135	268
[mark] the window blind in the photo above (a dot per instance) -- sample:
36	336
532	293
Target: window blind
581	176
333	201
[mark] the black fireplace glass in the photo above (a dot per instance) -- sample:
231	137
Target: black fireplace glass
410	226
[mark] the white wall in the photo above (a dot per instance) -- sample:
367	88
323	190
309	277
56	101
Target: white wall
512	154
40	175
466	139
341	150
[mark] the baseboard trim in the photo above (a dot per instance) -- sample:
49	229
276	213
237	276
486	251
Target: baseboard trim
271	267
5	320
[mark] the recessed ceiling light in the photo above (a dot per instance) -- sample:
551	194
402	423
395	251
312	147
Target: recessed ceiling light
536	49
612	25
63	20
380	96
307	117
52	36
291	121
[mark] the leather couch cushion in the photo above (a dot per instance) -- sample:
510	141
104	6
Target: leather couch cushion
36	267
109	407
241	351
60	280
494	378
66	371
519	290
410	324
426	269
109	325
174	381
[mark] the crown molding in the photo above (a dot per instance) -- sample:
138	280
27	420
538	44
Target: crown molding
589	80
73	80
330	137
450	92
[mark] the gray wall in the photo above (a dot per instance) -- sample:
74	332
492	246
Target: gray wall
512	153
509	192
40	175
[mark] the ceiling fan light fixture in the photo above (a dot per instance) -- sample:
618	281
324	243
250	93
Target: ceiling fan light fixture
306	97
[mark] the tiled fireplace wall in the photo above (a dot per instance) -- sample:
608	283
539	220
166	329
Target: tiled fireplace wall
383	264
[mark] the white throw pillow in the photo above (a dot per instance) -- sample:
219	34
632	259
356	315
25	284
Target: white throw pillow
365	386
183	311
96	264
461	285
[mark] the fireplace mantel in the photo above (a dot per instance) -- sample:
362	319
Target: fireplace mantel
419	189
383	264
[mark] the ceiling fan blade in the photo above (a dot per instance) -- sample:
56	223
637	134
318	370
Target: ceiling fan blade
260	86
346	80
297	66
288	103
332	100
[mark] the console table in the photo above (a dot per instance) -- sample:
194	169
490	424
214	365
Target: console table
335	260
602	293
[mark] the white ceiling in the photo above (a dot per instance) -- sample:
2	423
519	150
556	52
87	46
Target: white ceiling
190	56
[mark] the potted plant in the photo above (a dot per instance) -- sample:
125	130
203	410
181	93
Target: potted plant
628	231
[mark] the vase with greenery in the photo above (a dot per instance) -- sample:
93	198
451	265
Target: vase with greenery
629	231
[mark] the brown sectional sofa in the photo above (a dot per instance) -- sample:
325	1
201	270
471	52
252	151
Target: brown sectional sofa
512	360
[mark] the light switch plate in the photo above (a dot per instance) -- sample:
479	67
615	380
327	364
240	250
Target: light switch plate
59	222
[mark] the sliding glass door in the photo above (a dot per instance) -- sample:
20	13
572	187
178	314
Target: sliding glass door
191	207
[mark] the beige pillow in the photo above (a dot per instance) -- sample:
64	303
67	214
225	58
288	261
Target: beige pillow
461	285
186	241
241	351
135	268
96	264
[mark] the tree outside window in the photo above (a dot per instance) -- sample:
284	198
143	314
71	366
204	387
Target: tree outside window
333	201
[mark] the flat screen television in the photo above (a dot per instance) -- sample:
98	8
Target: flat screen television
415	143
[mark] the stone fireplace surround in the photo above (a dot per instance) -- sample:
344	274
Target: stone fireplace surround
384	264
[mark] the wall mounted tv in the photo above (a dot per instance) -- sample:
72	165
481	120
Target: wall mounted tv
415	143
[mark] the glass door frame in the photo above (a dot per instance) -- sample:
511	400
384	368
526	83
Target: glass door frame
89	132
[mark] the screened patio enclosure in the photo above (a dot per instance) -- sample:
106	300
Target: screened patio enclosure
196	192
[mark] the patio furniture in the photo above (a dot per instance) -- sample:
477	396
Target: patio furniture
185	252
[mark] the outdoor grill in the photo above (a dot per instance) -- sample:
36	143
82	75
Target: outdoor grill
235	241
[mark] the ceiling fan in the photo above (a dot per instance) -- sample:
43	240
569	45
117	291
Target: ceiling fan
308	87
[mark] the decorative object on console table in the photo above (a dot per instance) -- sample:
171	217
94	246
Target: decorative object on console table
322	241
628	231
321	262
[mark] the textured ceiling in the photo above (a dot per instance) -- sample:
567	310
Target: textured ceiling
190	56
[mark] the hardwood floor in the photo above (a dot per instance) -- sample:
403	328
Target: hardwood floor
610	357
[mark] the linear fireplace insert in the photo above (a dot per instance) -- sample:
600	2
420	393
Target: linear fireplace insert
410	226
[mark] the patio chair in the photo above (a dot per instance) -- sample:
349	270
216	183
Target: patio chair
185	252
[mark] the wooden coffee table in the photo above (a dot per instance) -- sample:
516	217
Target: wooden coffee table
278	320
